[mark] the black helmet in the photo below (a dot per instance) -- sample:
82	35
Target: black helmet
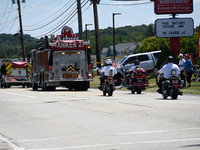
170	59
136	62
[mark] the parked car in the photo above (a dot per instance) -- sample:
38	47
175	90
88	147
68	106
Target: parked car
147	60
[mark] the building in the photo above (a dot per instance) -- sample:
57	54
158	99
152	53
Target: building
121	49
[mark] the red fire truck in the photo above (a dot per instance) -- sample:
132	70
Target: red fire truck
64	62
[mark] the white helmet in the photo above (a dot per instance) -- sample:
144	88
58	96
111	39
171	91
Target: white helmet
108	62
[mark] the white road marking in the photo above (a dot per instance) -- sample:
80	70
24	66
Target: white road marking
31	140
18	94
159	131
10	143
115	144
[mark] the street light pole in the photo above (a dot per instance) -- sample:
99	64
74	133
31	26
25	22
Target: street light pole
114	32
86	30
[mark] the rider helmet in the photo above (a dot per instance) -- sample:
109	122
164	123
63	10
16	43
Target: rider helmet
108	62
137	62
170	59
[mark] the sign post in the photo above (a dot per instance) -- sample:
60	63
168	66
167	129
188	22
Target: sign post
174	28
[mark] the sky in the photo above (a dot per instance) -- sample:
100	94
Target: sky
46	17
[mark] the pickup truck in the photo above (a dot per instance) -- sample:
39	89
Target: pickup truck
147	60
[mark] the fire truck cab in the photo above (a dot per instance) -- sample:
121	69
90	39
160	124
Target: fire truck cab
64	62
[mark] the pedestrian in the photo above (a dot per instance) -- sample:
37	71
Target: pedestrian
3	69
188	69
181	67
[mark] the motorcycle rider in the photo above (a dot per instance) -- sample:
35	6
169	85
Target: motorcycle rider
133	68
136	65
166	71
105	70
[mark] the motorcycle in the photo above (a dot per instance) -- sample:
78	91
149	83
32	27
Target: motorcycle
171	87
137	80
108	85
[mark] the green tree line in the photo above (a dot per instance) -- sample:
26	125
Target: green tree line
10	45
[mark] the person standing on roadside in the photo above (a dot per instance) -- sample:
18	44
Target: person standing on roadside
181	66
3	69
188	69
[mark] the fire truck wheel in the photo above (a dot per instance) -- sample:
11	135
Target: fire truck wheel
34	86
44	87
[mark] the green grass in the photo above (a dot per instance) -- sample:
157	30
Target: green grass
194	89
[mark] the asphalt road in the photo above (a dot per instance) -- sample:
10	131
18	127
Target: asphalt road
68	120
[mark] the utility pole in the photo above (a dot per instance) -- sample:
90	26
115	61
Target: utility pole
96	24
79	19
21	29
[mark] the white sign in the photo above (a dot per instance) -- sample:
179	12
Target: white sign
180	27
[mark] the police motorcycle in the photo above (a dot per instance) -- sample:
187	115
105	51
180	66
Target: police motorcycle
136	80
171	87
108	85
110	82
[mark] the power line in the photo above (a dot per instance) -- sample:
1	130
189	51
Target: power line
59	26
13	23
4	16
42	5
51	21
49	16
82	13
125	4
73	12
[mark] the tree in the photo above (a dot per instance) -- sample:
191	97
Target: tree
189	45
149	31
152	44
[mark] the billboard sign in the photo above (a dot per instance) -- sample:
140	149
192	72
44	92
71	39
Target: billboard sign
173	6
180	27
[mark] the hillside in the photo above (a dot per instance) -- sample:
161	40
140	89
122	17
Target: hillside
10	45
